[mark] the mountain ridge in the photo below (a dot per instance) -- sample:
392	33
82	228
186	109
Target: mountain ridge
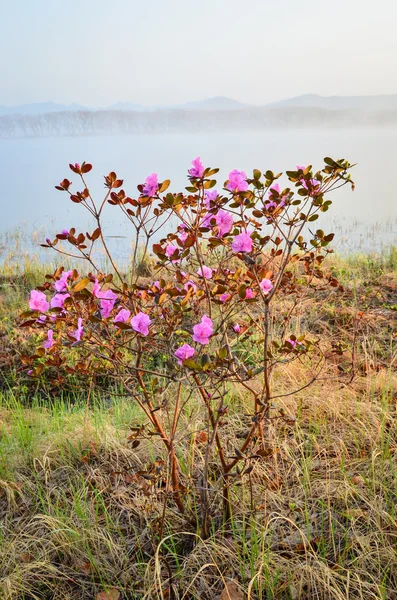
216	103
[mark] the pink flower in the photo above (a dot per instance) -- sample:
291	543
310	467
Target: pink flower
103	295
224	221
198	168
210	196
305	183
184	352
62	283
58	300
107	300
242	242
292	342
151	185
205	272
170	250
237	181
77	166
96	289
206	222
274	193
314	185
269	204
224	297
140	323
79	331
122	316
49	342
249	294
275	188
65	232
183	235
38	301
236	328
106	308
266	286
203	331
157	285
190	284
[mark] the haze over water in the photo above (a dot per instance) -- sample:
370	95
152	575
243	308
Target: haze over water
29	169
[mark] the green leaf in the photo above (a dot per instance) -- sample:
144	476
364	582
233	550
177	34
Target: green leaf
222	353
191	364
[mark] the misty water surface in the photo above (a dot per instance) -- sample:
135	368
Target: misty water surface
29	169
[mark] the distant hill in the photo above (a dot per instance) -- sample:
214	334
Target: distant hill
126	106
41	108
383	102
216	103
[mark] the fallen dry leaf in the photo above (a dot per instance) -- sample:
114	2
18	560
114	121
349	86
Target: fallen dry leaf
201	437
357	480
111	594
232	591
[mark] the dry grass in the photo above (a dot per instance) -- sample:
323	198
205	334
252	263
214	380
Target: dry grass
315	519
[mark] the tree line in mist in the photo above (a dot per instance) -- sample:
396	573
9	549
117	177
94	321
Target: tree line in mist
178	121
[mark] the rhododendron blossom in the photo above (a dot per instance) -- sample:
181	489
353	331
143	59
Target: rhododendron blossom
224	297
58	300
198	168
151	185
249	294
242	242
106	308
103	295
266	286
210	196
140	323
313	182
62	283
274	192
205	272
208	220
183	235
224	221
38	301
78	334
156	284
170	250
122	316
184	352
236	328
49	342
237	181
203	331
190	285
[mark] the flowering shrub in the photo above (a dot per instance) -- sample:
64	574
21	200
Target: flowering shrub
231	253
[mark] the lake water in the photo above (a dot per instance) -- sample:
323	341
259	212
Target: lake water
29	169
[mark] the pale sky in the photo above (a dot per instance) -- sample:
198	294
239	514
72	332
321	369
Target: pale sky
96	52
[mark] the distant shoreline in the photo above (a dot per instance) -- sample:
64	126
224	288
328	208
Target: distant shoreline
119	122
